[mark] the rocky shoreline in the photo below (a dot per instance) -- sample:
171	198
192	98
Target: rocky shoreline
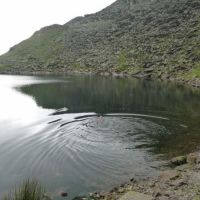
193	82
181	181
151	39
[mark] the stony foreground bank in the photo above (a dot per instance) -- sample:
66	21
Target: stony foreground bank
180	182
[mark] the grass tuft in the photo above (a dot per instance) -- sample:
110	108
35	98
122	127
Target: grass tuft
122	62
196	71
29	190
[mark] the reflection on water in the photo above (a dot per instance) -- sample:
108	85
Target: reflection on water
83	133
110	95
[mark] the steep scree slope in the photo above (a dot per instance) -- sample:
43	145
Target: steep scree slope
147	38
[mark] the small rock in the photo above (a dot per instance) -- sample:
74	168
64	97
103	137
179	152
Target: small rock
157	193
152	184
180	160
192	158
133	180
136	73
178	183
108	197
91	195
169	175
129	188
114	189
98	196
149	70
164	198
63	194
167	193
78	198
121	190
135	196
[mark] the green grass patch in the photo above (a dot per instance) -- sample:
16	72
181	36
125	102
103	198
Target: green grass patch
76	65
194	73
3	67
29	190
122	62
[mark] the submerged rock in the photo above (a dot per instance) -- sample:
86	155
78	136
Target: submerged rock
63	194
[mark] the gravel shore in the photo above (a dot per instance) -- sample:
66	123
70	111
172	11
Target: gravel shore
181	181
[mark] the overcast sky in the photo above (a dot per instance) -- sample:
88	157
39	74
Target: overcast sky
19	19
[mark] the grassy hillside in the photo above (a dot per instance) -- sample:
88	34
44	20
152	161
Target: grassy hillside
153	39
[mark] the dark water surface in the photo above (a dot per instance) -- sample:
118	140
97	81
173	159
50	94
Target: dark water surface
84	134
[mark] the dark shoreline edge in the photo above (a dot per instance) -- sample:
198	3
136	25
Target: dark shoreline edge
194	83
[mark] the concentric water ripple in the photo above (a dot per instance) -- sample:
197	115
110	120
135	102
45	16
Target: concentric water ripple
98	148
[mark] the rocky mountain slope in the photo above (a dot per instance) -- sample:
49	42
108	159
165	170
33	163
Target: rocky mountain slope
146	38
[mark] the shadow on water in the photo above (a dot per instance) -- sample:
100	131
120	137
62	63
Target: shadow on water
141	99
